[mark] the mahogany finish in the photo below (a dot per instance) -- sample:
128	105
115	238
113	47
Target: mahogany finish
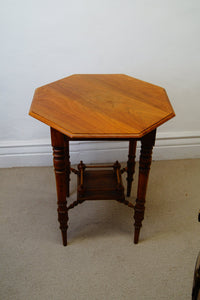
100	184
67	163
147	142
101	107
59	160
131	165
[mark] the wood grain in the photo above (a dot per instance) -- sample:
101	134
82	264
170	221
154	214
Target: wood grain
101	106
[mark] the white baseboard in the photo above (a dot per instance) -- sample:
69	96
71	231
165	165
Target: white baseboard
173	145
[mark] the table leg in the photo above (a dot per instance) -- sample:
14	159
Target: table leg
59	160
67	164
131	165
147	143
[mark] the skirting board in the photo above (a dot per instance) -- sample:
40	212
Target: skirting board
173	145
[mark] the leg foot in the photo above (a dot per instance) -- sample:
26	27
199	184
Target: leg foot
136	236
64	238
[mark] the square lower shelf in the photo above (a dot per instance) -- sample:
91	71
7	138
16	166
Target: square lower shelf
100	185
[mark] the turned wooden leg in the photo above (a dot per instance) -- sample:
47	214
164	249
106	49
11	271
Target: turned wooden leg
67	164
59	160
131	165
81	168
147	143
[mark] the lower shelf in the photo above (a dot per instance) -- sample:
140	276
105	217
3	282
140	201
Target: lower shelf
100	185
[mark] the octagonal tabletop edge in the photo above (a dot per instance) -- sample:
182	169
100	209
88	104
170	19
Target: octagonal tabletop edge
93	106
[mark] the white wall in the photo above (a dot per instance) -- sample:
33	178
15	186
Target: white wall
43	41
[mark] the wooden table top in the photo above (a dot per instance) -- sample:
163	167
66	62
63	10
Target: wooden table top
101	106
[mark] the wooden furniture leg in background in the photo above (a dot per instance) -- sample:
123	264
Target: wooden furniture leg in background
131	165
67	163
147	143
59	161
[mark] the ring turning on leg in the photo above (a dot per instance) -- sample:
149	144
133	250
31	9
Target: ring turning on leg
59	161
147	142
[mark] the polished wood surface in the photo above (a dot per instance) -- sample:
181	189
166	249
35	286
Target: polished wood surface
101	106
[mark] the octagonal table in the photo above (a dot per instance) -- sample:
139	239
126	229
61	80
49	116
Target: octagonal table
101	107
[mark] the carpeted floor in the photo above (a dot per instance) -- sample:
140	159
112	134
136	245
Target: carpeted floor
101	261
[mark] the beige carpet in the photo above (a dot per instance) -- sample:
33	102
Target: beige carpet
101	261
